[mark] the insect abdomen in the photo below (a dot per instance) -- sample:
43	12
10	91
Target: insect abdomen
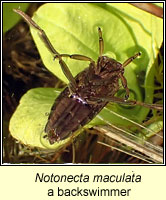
67	115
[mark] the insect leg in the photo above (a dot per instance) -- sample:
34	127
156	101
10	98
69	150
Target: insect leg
123	79
139	103
80	57
85	58
129	60
50	47
41	32
129	102
101	42
124	83
76	57
68	74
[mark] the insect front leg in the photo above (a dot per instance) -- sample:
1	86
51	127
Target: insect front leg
129	60
124	83
76	57
123	79
85	58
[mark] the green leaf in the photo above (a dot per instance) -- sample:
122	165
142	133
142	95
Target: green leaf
27	123
9	17
73	30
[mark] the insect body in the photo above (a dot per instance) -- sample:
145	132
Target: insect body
87	93
72	110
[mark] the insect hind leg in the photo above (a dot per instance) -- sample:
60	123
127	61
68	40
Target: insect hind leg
50	47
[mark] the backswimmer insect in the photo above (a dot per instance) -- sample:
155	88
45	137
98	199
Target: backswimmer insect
87	93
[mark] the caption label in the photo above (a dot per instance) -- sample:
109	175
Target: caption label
105	184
